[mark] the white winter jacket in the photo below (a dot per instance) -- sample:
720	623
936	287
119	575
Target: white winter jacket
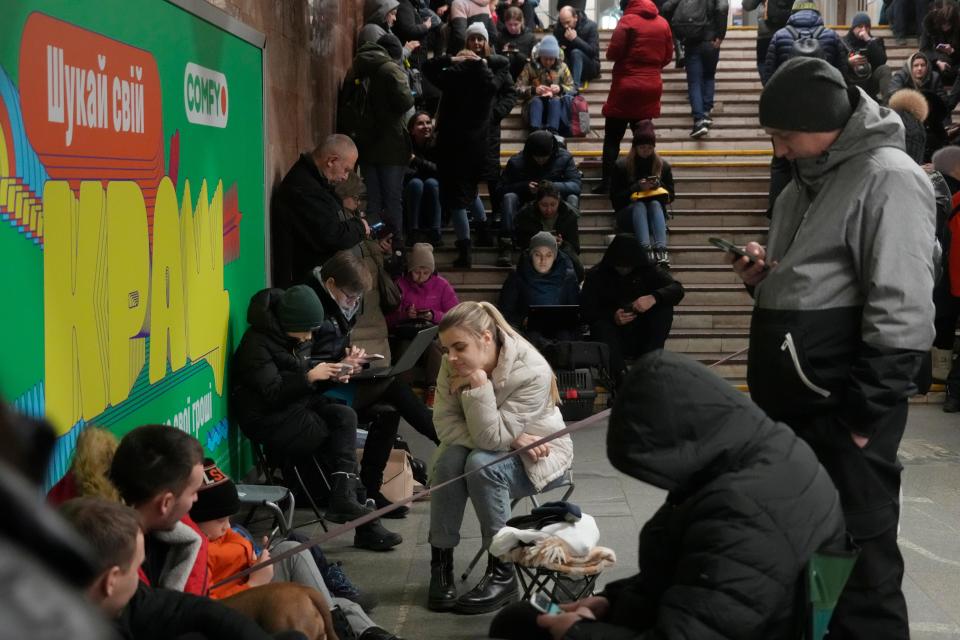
516	400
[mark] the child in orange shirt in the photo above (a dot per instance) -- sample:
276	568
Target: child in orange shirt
230	551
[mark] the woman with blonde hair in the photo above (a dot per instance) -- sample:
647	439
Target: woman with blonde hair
495	392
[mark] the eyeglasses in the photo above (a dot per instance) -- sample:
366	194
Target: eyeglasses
350	298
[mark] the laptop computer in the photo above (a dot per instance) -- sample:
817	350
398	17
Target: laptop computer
548	318
406	362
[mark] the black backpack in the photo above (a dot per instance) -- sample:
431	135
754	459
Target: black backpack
352	106
690	19
806	42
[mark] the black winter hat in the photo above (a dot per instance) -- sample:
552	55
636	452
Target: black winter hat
299	309
860	20
392	44
644	134
539	143
217	497
805	94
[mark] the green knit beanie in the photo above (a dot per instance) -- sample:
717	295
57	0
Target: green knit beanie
800	5
299	309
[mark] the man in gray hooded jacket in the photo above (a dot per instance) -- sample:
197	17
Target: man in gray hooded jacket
843	311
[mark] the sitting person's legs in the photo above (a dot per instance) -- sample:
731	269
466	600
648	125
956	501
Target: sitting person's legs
649	331
535	113
633	219
492	488
413	200
447	505
553	108
610	334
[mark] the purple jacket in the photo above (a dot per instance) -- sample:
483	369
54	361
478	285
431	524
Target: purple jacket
436	294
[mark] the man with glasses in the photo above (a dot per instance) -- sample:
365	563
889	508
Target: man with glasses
309	222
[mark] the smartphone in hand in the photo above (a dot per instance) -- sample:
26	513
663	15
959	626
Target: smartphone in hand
541	602
729	247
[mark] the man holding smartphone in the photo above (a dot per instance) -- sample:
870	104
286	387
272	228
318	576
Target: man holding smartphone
844	313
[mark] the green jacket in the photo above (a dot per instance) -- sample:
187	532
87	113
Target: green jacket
383	138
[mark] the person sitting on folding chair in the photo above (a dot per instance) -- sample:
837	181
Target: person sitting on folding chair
495	393
277	397
747	508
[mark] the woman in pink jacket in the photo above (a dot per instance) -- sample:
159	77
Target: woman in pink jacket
425	298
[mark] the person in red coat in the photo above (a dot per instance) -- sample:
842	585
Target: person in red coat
640	47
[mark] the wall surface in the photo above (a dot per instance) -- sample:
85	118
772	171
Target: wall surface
309	49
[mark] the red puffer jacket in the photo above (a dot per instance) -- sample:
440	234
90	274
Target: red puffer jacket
640	47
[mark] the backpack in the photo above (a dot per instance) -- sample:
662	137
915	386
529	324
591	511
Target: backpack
352	106
806	43
579	117
690	20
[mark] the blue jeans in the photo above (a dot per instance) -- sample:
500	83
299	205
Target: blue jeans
642	218
702	62
461	220
416	207
576	66
511	204
490	490
385	193
544	113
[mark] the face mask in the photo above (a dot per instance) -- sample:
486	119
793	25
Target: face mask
351	311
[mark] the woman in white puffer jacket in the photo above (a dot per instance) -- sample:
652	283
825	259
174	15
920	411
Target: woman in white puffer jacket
495	392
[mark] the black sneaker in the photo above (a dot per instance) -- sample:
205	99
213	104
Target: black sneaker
341	587
707	120
699	130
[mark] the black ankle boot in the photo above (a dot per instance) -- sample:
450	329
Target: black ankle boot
343	506
496	588
464	256
443	589
375	537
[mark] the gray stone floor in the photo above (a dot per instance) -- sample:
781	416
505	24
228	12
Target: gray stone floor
929	535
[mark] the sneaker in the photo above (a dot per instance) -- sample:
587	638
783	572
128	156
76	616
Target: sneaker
340	587
381	501
430	397
699	130
707	120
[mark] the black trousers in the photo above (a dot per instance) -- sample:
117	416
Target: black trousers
762	45
908	17
868	481
945	321
645	334
615	128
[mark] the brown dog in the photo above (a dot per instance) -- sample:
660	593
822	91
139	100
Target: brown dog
285	606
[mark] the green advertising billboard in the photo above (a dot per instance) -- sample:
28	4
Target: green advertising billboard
131	214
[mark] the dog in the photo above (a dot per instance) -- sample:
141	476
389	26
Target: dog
285	606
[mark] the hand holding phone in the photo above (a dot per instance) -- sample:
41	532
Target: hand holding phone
729	247
542	602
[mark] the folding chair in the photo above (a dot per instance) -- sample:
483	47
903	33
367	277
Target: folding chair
269	473
823	581
256	496
566	480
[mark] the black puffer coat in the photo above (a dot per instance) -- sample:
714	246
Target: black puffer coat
747	507
269	370
463	125
505	97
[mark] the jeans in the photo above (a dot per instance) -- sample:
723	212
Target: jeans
302	569
511	204
416	207
461	221
385	193
702	59
642	217
576	66
544	113
490	490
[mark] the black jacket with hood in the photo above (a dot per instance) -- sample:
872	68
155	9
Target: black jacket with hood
587	42
504	99
269	370
331	339
522	169
605	290
383	139
309	223
623	185
747	507
529	222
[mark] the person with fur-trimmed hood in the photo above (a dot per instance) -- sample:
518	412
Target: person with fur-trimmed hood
913	109
918	75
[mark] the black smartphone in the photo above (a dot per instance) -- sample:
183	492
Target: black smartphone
729	247
376	229
628	308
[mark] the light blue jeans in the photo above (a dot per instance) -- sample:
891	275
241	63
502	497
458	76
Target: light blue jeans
423	196
461	219
643	218
490	490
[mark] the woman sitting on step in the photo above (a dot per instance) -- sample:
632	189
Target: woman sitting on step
495	393
640	190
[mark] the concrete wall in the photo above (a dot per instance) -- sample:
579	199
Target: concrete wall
309	49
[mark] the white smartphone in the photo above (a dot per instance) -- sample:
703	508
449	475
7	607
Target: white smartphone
373	356
541	602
